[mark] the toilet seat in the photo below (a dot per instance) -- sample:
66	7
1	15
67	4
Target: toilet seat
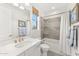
44	49
44	46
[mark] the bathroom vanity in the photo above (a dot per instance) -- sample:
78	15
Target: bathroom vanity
29	47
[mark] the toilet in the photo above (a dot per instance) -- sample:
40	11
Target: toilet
44	49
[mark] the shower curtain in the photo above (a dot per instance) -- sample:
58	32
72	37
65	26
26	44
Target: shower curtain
63	43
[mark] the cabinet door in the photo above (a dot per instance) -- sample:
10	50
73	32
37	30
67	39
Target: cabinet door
22	54
33	51
36	51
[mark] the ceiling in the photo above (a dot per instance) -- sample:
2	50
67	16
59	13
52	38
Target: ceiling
46	8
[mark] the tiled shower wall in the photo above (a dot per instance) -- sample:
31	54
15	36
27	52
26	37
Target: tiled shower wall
52	28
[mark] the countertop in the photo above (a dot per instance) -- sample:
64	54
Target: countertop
11	50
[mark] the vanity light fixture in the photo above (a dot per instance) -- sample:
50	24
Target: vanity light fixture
53	7
27	4
16	4
21	7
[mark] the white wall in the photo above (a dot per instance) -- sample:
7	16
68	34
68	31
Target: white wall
17	15
9	16
5	22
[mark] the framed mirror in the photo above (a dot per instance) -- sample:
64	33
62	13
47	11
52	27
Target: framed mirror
21	23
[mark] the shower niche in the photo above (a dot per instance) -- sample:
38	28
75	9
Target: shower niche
51	28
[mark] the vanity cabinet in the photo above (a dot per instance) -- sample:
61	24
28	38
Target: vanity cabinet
22	54
33	51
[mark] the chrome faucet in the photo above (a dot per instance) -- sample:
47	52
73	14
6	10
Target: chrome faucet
19	39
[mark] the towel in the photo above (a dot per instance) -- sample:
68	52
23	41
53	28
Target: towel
73	37
71	41
22	31
74	41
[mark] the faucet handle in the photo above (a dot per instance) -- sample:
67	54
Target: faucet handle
15	41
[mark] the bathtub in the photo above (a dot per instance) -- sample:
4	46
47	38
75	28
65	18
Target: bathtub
53	44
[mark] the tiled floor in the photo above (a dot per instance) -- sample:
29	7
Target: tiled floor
50	53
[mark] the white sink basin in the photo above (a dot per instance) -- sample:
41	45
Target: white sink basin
21	44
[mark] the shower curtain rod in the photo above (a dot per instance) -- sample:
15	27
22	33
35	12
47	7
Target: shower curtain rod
56	14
